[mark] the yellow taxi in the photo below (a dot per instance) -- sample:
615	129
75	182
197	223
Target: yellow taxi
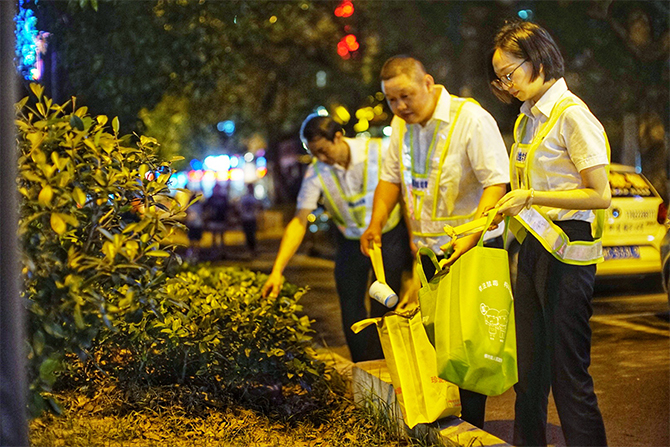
634	226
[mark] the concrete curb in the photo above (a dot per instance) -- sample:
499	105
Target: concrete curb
371	383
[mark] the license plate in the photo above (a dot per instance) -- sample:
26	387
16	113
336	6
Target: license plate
624	252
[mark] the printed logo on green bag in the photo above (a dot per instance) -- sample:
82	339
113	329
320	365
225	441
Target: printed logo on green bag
496	320
494	283
493	357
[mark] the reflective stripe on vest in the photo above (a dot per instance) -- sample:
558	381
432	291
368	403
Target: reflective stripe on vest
550	235
421	185
352	213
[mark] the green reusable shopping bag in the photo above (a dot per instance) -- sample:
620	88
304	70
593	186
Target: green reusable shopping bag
468	313
410	358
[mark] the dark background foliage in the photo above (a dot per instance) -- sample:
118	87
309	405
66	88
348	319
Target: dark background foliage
255	62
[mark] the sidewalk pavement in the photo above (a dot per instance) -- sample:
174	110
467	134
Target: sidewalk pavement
322	305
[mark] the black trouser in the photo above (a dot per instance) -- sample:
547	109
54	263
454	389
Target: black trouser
552	305
249	228
473	405
352	275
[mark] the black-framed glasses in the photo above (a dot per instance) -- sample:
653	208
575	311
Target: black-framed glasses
506	80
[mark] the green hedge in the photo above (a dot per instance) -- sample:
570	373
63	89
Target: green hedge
105	291
213	330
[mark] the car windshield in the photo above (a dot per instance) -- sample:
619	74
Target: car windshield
630	184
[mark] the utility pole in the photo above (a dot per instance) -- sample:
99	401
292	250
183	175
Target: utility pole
13	421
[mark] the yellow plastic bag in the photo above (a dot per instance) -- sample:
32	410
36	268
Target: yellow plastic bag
410	358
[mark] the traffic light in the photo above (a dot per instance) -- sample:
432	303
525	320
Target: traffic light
347	45
344	9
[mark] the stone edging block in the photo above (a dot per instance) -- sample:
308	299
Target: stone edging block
372	384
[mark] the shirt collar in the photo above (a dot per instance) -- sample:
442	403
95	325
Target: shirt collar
442	107
356	150
547	102
356	154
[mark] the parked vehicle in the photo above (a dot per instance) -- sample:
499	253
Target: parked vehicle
634	228
665	261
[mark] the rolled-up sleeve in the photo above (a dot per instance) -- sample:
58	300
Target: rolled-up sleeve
584	138
391	158
486	149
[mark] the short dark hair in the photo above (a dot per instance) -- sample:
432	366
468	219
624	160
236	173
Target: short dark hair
529	41
317	126
402	64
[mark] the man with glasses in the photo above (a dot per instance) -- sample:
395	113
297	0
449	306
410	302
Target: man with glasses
448	161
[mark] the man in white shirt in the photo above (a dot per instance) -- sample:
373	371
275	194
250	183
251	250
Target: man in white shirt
345	172
447	160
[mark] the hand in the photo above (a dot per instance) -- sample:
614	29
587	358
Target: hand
413	248
408	302
372	234
409	297
496	220
272	286
513	202
461	246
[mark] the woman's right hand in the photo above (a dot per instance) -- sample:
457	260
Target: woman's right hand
513	202
273	285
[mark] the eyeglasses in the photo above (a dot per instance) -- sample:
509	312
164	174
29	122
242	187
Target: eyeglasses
506	80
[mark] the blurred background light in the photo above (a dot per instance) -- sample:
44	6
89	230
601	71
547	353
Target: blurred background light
344	9
196	164
236	174
362	125
227	127
179	180
342	114
195	176
31	44
217	162
259	191
321	78
525	14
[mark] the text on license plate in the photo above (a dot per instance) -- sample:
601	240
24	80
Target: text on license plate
625	252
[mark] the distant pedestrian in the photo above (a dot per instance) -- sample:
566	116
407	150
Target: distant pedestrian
249	207
195	223
216	215
559	176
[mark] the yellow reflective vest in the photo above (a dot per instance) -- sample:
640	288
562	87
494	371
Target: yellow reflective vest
550	235
427	209
352	213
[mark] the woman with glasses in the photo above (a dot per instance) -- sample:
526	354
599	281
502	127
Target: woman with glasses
560	189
